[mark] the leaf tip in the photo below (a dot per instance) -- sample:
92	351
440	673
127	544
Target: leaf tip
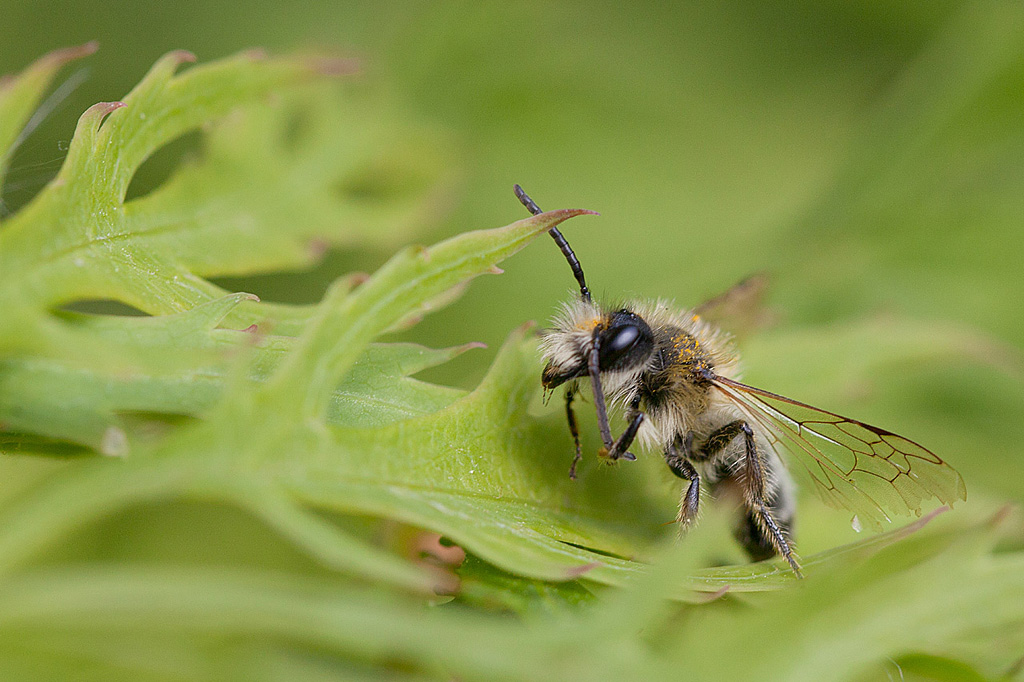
444	583
254	54
64	55
1001	515
525	328
180	57
455	351
326	65
104	108
579	571
165	67
543	222
708	597
566	213
347	283
923	521
94	115
317	249
50	62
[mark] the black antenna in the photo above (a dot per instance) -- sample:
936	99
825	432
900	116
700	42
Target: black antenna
574	263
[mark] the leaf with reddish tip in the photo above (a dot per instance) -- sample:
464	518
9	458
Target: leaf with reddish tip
21	93
256	199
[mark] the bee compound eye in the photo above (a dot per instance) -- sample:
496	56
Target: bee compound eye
619	342
624	339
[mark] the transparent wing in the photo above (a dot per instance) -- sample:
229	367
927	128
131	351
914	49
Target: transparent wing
740	310
864	468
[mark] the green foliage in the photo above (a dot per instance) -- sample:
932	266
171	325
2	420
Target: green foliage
302	418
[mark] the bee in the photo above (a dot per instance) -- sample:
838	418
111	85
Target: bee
676	378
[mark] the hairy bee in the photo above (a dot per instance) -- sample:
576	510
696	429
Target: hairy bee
675	377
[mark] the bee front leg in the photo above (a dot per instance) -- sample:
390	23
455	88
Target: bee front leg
620	448
682	468
574	429
622	443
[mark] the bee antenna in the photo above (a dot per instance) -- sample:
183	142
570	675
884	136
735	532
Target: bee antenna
574	263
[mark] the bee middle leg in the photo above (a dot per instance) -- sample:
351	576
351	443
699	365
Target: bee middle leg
760	533
681	467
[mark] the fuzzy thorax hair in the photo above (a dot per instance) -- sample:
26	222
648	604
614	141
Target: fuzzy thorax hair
682	341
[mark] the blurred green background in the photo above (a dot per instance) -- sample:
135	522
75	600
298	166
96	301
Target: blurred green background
868	156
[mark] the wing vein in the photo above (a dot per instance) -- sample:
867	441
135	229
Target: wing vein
867	469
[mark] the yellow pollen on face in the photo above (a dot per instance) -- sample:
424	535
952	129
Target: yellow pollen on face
695	318
588	325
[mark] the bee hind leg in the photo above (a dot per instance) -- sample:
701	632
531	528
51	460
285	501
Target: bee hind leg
766	527
767	523
763	537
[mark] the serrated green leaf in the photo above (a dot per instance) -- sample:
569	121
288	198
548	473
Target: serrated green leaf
237	210
178	365
326	186
486	494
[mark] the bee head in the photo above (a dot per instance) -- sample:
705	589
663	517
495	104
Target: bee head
622	338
